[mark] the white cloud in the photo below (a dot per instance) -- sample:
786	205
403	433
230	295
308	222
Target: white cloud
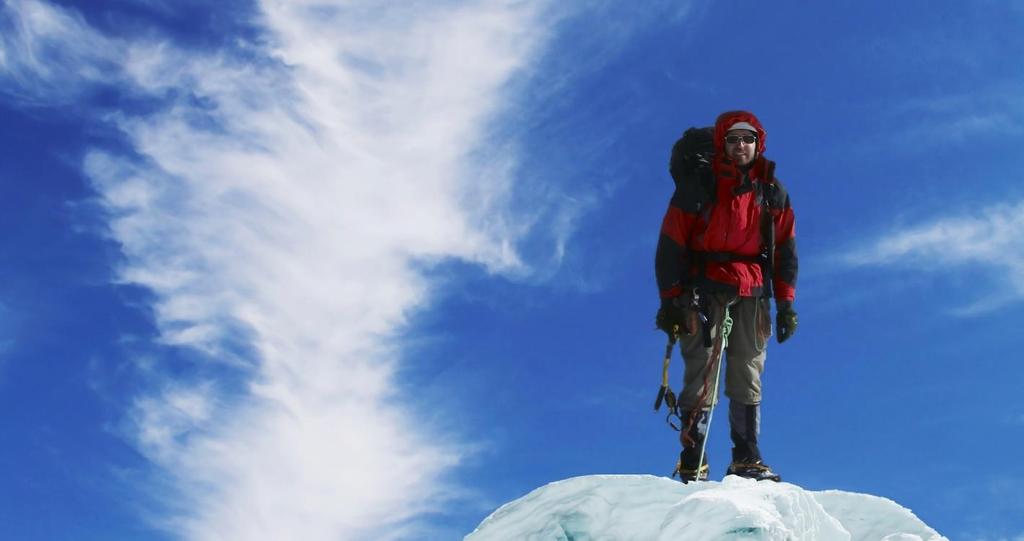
42	49
167	419
958	119
988	241
923	123
279	201
287	197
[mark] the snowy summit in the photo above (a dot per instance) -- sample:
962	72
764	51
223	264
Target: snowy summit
645	507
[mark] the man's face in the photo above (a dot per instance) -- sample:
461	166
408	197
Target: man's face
739	150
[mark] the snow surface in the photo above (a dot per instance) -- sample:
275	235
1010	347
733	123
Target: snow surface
645	507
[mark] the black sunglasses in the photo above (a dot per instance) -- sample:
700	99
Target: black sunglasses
733	139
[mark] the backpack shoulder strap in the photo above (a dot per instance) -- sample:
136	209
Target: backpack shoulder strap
771	192
772	197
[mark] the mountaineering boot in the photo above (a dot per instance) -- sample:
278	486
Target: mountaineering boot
687	470
745	424
688	467
750	467
757	471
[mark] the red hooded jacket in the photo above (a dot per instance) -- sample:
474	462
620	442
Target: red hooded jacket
716	244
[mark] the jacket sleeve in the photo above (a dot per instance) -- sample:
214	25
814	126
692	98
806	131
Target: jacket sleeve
671	261
786	262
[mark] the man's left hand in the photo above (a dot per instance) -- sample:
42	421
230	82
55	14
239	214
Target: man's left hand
785	321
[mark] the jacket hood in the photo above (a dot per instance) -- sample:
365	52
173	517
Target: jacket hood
729	118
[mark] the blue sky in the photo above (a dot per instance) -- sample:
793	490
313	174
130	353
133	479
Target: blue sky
293	269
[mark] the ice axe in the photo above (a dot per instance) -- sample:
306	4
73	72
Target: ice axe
665	393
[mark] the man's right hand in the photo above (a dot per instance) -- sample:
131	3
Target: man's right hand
677	315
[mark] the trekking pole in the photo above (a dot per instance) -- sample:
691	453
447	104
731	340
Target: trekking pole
664	370
725	330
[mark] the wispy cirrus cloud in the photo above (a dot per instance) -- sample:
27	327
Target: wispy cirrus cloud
36	61
958	118
280	196
970	95
278	200
988	244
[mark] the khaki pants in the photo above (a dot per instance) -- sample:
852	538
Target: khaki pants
744	356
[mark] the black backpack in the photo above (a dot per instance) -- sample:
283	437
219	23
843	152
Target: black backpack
694	150
690	167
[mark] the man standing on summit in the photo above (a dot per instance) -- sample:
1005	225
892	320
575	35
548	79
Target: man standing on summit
727	246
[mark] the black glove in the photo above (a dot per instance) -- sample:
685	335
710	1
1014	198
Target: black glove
785	321
677	315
